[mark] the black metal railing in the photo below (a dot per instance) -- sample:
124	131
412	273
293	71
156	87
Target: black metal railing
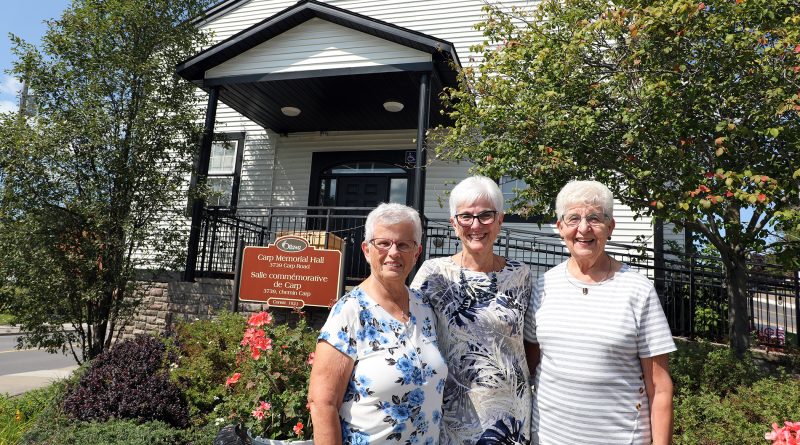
327	227
691	287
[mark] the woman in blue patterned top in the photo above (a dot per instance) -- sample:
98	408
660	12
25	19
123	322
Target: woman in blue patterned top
378	375
480	301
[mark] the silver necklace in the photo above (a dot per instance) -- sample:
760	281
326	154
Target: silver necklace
582	286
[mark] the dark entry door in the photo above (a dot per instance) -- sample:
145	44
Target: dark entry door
359	191
362	191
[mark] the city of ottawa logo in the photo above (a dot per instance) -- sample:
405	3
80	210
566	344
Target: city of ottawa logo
290	245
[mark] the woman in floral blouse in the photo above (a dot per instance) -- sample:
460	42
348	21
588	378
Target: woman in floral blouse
480	301
378	375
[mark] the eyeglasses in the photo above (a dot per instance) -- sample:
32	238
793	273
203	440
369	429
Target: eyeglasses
384	244
486	217
593	219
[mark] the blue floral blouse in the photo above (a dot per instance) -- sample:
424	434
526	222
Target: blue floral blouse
395	391
487	396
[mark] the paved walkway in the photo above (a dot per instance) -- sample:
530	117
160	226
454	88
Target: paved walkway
16	384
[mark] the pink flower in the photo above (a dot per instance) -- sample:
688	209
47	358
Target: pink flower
298	429
255	353
788	434
310	360
233	379
257	340
262	409
260	319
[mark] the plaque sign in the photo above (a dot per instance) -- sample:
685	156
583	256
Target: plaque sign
290	273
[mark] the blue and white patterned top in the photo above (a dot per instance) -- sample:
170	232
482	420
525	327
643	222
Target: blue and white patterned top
487	396
395	391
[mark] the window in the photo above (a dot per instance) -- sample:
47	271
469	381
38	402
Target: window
511	188
393	178
224	170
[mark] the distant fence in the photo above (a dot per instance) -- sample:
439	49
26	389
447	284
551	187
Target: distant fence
691	287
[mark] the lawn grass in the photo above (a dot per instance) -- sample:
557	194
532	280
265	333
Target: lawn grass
6	318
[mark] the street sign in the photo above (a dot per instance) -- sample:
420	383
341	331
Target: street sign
290	273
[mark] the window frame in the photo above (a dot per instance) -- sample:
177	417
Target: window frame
236	174
512	217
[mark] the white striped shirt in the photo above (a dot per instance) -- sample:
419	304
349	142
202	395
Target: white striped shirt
589	384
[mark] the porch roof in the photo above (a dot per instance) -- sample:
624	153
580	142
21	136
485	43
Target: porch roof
338	98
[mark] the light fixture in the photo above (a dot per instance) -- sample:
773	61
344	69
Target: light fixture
290	111
393	106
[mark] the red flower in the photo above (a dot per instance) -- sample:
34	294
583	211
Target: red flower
310	360
260	319
233	379
298	429
257	340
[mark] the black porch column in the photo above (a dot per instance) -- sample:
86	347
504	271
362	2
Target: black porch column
198	178
422	127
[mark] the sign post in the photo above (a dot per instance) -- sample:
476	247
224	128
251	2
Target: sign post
290	273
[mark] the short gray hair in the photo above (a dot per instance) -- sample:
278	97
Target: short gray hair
585	193
474	188
393	213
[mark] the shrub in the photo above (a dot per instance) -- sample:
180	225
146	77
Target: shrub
129	381
720	399
267	393
698	366
17	414
208	351
111	432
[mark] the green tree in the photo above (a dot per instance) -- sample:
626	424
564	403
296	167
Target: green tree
687	110
88	179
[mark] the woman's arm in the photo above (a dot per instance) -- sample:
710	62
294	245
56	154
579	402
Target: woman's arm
658	384
330	376
532	356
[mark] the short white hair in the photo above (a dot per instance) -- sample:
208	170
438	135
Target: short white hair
393	213
474	188
591	193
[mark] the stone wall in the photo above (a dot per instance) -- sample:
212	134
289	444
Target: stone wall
167	300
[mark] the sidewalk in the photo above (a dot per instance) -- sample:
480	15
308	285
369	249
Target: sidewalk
16	384
14	330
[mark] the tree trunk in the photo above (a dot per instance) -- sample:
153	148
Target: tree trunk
736	274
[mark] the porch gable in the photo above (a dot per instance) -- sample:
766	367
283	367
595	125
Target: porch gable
318	45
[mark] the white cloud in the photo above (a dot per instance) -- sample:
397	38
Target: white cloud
10	86
7	105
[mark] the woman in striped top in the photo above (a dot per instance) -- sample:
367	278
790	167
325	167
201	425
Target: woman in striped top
596	337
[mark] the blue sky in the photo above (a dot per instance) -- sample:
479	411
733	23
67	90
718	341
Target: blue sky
25	19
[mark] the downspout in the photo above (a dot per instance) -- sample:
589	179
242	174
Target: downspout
199	178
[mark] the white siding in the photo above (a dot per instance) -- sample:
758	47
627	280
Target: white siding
317	45
450	20
442	176
276	169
